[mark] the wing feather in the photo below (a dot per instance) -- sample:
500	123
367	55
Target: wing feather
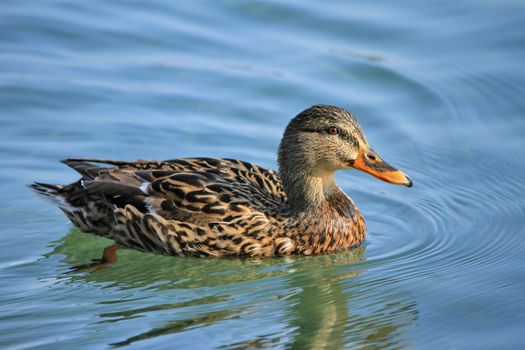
191	206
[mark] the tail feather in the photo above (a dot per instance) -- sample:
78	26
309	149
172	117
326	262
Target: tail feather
50	193
91	201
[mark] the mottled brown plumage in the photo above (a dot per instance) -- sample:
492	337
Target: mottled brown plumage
226	207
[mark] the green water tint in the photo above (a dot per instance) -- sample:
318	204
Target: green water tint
315	294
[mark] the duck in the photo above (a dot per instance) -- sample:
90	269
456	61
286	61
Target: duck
221	207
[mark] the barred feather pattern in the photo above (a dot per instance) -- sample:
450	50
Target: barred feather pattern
201	207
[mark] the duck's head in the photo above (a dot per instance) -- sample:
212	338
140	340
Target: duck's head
323	139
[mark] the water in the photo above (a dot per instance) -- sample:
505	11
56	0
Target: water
437	86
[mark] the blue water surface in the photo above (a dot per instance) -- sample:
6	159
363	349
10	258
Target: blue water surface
437	86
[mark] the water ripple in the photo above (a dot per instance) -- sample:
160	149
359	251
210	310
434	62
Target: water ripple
437	87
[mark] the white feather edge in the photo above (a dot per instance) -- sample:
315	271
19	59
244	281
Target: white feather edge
144	186
55	199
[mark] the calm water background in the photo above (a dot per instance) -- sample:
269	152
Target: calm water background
438	87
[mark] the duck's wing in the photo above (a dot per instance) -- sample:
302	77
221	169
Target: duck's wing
232	169
214	187
204	206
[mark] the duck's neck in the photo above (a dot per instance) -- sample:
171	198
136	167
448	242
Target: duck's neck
316	194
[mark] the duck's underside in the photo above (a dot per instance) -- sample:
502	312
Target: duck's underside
197	206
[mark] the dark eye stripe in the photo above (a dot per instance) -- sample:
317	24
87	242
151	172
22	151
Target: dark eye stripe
311	130
341	134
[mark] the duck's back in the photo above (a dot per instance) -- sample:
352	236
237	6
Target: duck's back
200	194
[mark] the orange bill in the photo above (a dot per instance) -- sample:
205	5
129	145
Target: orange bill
371	163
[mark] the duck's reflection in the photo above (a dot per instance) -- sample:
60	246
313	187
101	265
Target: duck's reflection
319	302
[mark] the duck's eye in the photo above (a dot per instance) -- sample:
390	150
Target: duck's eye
332	130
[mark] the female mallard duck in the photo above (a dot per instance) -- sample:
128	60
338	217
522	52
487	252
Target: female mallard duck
225	207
